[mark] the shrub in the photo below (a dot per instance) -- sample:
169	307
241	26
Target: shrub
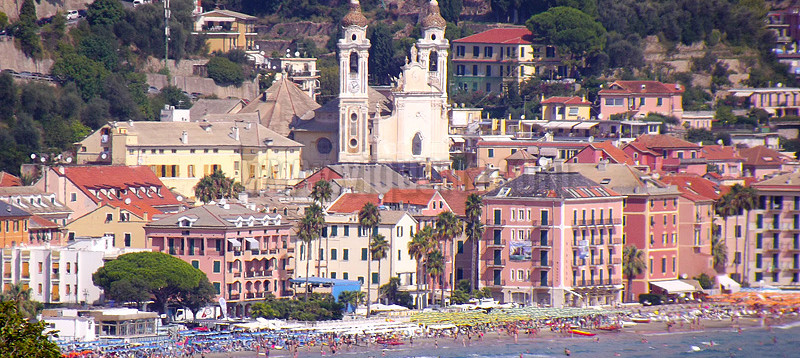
224	72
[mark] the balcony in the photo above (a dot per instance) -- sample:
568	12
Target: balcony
611	221
616	261
791	248
543	243
234	296
492	222
496	263
495	283
290	250
541	284
237	274
792	267
495	243
542	223
772	248
250	295
542	264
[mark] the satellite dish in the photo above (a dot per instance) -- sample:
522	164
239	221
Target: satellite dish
179	198
69	159
61	170
33	155
543	161
42	159
127	201
600	116
297	54
591	139
720	142
104	155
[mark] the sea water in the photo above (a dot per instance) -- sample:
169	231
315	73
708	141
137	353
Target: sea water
753	342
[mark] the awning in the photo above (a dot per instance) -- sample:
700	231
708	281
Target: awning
585	125
566	125
253	242
235	242
674	286
457	139
728	283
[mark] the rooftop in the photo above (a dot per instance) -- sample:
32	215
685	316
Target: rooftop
7	179
762	156
506	36
352	202
663	141
204	134
565	185
282	104
217	216
567	100
642	87
10	211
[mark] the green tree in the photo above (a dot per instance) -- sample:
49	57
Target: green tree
322	191
369	217
719	254
451	9
633	264
703	135
132	289
354	298
309	228
474	231
746	199
19	337
224	72
572	31
21	296
87	74
418	248
198	297
27	31
448	227
390	290
8	97
462	292
380	53
216	186
105	13
435	269
3	21
378	248
167	278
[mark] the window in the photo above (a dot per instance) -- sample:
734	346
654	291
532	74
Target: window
196	264
127	239
363	254
476	51
217	266
488	87
460	247
488	51
659	101
573	111
460	70
416	144
345	275
460	51
618	102
333	254
73	196
333	275
347	230
345	254
490	154
375	278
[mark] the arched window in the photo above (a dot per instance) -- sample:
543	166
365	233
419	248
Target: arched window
416	144
433	62
353	62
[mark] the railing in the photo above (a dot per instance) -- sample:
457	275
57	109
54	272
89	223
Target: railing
237	274
616	261
540	263
496	263
792	267
273	252
541	283
234	296
250	295
290	250
542	223
492	243
495	283
772	248
492	222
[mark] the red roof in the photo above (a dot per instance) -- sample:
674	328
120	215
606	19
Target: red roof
642	88
119	183
9	180
409	196
661	141
457	200
615	154
38	222
720	152
566	100
514	35
693	186
762	156
522	143
352	202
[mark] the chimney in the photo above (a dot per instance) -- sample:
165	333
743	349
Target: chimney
601	165
185	137
643	87
528	169
236	133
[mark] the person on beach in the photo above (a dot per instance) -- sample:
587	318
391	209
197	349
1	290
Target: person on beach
567	352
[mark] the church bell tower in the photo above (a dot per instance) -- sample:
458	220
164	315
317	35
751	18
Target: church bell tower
354	130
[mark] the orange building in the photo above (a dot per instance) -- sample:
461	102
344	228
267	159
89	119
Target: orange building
13	225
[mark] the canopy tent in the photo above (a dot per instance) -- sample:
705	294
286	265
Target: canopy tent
673	286
728	283
337	286
378	307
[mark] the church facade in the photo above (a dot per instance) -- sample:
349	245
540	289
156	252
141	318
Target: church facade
405	124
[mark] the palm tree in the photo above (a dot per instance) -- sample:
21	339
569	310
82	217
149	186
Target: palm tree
448	227
435	268
317	217
719	253
368	218
322	191
747	200
22	297
352	297
724	207
378	248
216	186
474	231
418	248
633	264
309	229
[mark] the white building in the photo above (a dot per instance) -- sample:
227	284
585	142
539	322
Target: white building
70	326
58	274
343	250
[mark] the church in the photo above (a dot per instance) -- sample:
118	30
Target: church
403	124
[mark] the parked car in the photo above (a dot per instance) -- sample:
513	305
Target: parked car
73	15
153	90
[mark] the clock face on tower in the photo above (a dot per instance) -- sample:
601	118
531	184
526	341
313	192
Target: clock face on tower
353	86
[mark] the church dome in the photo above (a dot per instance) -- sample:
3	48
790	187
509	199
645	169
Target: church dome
354	16
434	18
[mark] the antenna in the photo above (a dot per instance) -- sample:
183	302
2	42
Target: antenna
167	15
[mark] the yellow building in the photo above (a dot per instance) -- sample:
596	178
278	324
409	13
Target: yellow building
123	225
181	153
226	30
565	109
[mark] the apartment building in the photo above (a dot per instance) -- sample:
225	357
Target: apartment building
246	254
14	224
664	153
637	99
695	221
553	239
565	109
491	60
181	153
226	30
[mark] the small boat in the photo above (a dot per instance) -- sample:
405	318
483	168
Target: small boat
640	320
582	333
610	328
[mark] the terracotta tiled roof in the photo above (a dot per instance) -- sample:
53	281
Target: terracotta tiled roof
721	153
527	143
566	100
352	202
693	186
762	156
38	222
120	184
456	200
551	185
9	180
615	154
409	196
516	35
520	155
642	87
661	141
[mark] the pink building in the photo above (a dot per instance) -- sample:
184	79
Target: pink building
663	153
695	220
637	99
760	162
553	239
725	159
246	254
595	152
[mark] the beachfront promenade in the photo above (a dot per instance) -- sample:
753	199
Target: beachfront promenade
430	330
